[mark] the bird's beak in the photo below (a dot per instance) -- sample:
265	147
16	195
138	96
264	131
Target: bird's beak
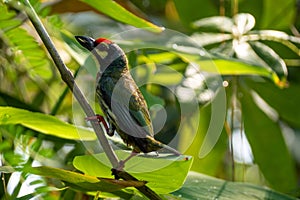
86	42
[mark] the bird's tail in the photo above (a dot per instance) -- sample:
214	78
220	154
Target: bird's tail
154	145
170	149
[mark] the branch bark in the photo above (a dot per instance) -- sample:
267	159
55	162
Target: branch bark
68	78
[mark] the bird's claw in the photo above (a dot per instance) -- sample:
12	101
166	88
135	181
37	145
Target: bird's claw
100	119
121	165
97	118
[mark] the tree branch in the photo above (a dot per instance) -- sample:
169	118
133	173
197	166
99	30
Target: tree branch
68	78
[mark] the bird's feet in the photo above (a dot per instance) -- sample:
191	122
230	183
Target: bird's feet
100	119
121	164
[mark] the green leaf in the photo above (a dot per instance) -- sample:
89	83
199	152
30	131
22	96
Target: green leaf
163	174
237	68
267	143
162	58
274	15
115	11
28	53
45	124
7	18
81	181
210	163
262	56
276	36
271	58
199	186
285	101
192	53
229	66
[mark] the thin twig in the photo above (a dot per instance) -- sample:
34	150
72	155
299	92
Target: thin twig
68	78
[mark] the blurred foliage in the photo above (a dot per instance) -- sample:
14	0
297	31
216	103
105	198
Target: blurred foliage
247	50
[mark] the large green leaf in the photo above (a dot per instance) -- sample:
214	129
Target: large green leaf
45	124
276	17
271	58
210	163
115	11
199	186
285	101
163	174
267	143
224	66
280	37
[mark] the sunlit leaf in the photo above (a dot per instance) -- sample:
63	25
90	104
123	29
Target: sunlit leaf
115	11
43	123
81	181
162	58
163	174
229	66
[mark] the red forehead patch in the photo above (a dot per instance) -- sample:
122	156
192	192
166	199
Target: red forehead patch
99	40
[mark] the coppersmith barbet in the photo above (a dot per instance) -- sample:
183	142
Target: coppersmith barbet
120	98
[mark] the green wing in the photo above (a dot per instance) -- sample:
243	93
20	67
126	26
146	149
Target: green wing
130	109
139	112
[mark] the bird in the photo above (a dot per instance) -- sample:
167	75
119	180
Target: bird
120	99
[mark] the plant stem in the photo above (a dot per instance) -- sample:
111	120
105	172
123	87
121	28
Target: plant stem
68	78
